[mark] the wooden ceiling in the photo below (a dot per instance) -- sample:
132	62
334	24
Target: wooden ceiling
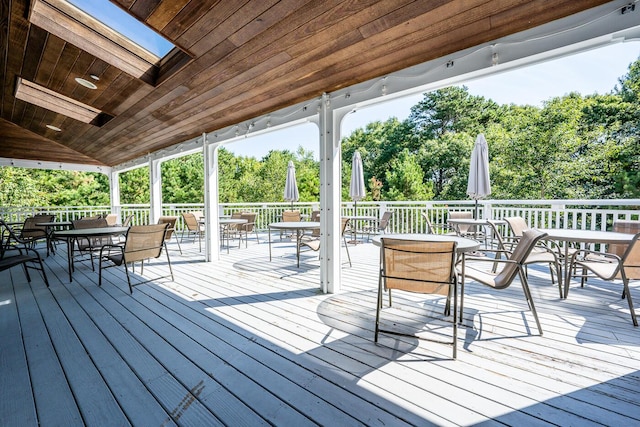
238	59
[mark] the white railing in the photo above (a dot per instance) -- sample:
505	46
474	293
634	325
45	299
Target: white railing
406	215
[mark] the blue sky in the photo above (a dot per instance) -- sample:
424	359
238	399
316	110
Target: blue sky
594	71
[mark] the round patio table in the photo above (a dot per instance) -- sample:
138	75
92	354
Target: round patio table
224	227
298	227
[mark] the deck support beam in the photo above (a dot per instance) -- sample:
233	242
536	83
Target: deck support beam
211	199
330	196
155	187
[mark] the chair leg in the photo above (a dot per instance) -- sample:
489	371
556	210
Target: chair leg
178	242
378	308
527	294
625	283
346	246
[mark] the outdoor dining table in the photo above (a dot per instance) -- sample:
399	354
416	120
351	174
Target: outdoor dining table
582	236
463	246
70	236
473	222
224	226
49	227
298	226
355	219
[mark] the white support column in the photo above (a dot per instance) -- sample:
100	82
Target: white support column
211	200
114	191
155	191
330	197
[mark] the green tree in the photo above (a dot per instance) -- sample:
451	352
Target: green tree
406	179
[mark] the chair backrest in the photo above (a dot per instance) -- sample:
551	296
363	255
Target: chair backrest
315	216
463	228
171	220
191	221
7	236
631	259
127	221
291	216
623	226
522	250
343	226
251	220
30	229
418	266
517	225
427	221
384	221
112	219
144	242
94	242
89	223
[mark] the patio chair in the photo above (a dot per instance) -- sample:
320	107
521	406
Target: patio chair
143	243
15	251
610	266
171	220
313	242
248	227
32	233
540	254
194	227
466	230
290	216
315	217
87	247
445	229
512	267
112	219
380	226
421	267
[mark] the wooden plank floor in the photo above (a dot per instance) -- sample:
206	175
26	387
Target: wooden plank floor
245	341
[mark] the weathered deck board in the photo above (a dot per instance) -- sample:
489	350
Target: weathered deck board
245	341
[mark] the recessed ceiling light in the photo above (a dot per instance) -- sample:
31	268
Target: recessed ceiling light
56	128
86	83
94	77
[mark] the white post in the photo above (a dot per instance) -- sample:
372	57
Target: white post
211	200
114	191
330	197
155	187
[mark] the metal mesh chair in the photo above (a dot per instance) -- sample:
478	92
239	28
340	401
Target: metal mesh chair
512	267
15	251
143	242
610	266
171	220
420	267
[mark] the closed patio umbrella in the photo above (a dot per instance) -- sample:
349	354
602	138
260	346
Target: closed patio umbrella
290	185
479	185
357	189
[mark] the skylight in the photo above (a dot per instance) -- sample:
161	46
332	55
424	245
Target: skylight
123	23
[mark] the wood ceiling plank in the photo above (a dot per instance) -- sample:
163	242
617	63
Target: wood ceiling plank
68	57
208	25
39	148
142	9
164	13
35	44
52	52
18	30
185	19
522	15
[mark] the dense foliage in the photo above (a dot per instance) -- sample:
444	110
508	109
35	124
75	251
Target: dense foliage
574	146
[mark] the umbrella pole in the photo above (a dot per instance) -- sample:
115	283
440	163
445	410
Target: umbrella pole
476	215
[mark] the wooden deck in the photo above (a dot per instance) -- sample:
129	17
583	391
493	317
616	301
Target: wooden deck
245	341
